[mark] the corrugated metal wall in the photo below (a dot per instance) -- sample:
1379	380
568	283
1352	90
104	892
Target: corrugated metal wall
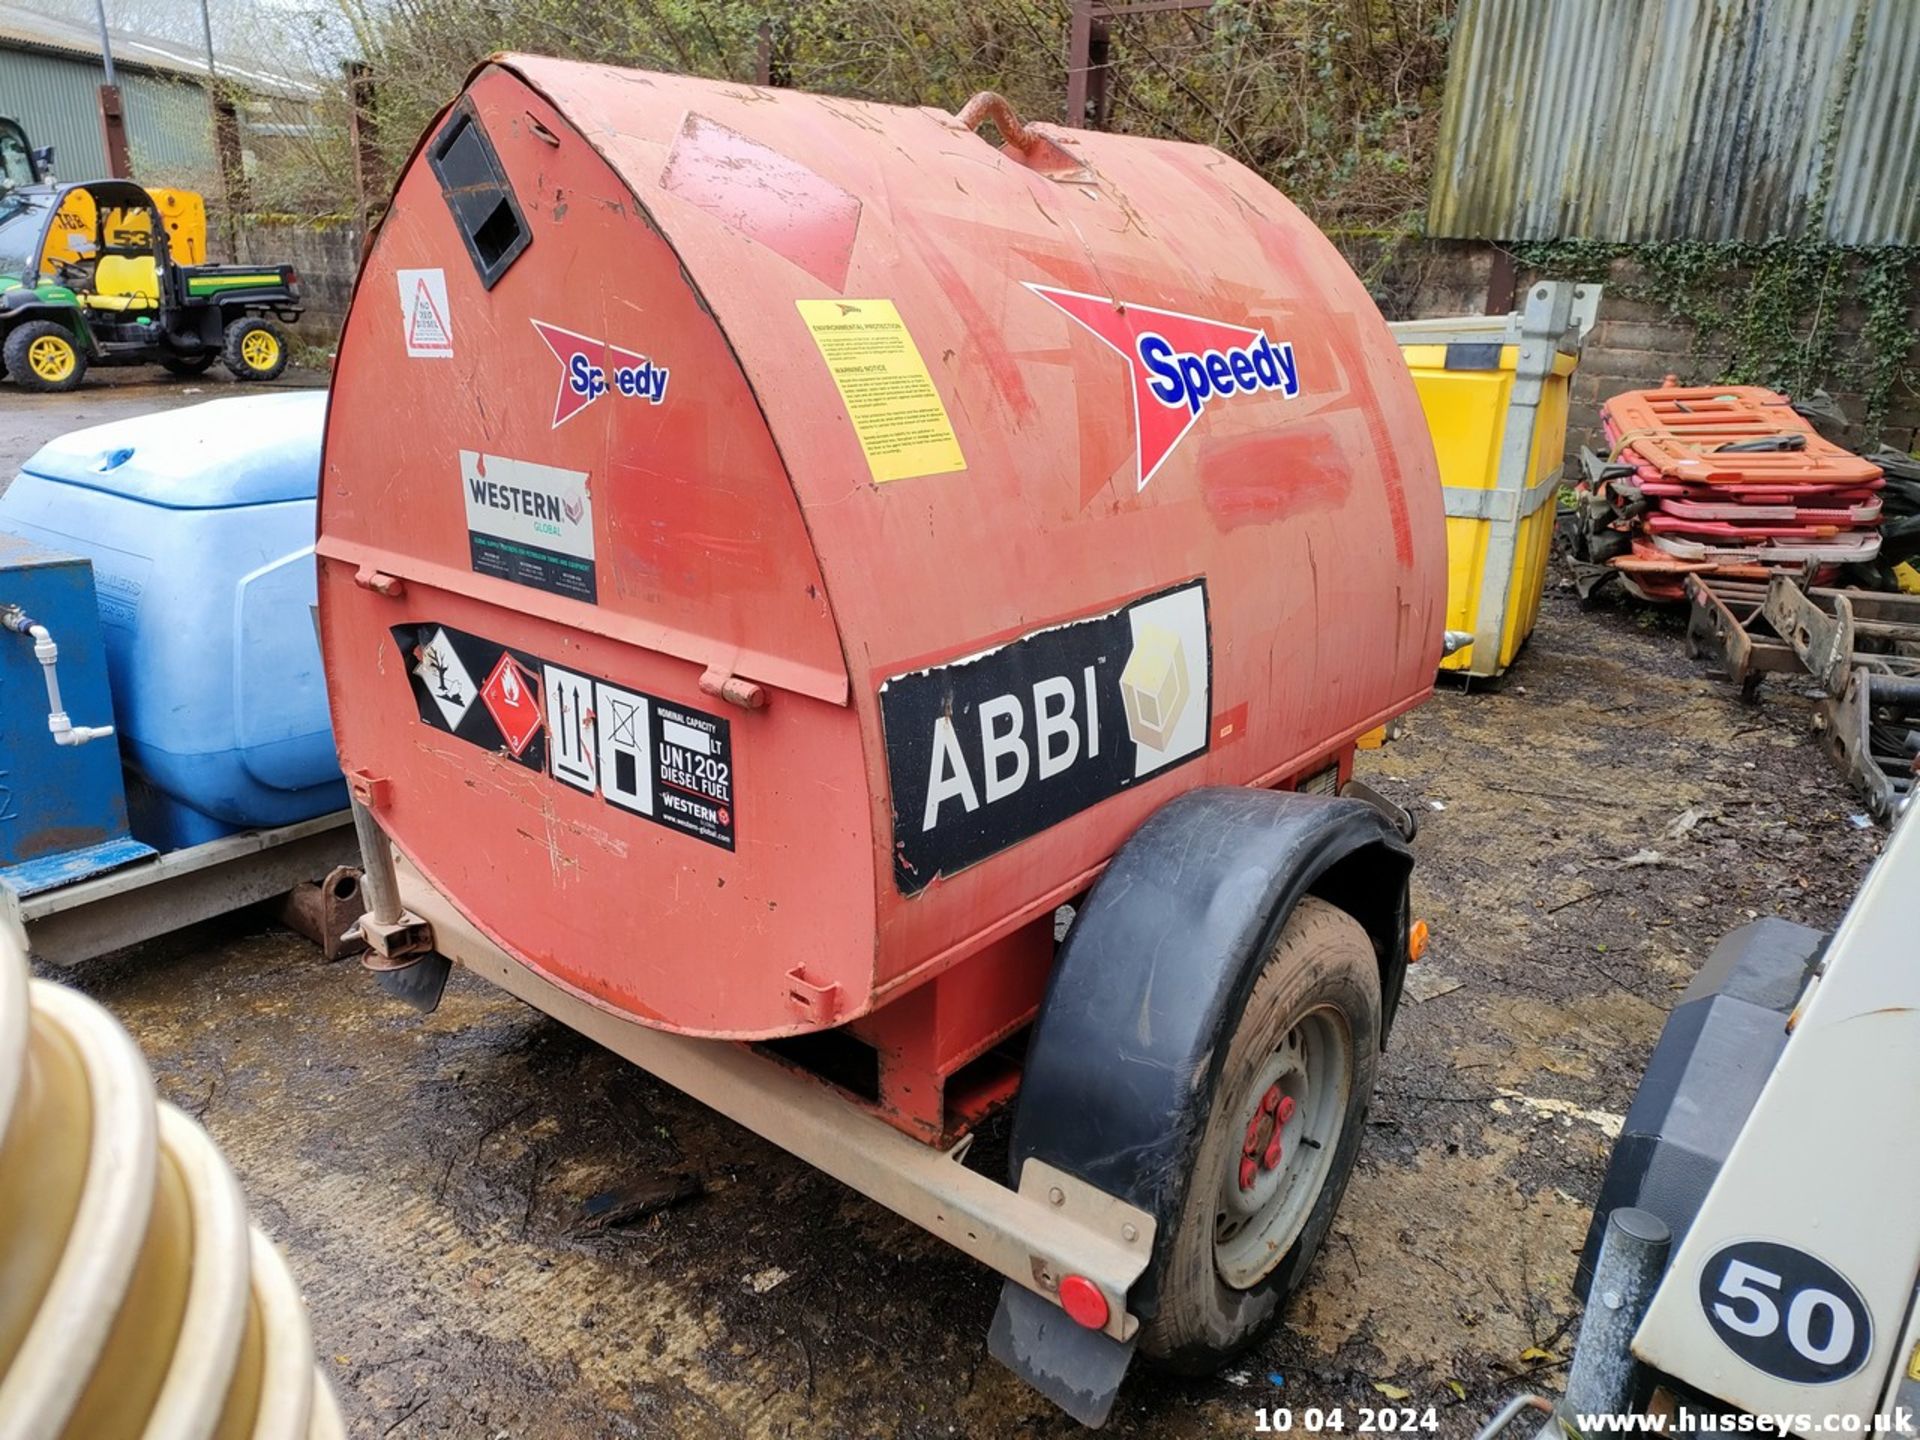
169	130
1631	120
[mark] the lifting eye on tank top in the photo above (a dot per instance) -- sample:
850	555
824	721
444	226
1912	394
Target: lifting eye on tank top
1032	149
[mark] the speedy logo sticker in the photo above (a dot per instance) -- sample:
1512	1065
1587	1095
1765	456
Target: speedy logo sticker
989	750
1179	364
531	524
642	754
591	368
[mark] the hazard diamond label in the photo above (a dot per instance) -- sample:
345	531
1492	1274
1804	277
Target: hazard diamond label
446	680
512	698
424	318
642	754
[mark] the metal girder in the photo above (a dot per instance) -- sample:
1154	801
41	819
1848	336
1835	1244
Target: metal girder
76	922
1053	1226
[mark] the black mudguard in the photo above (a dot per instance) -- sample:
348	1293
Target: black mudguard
1718	1047
1143	997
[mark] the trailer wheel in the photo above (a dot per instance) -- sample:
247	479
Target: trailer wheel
41	355
1283	1127
255	349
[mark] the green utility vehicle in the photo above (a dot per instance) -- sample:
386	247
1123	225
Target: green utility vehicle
20	163
87	278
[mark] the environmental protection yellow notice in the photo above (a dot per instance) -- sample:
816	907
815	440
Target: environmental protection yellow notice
884	384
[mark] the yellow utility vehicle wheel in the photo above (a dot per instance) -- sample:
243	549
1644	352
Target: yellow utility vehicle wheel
41	355
255	349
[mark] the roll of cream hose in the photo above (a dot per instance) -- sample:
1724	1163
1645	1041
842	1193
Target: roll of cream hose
136	1301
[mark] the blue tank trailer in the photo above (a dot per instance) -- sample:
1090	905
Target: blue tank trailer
165	749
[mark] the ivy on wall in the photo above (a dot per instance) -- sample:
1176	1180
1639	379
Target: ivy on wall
1771	313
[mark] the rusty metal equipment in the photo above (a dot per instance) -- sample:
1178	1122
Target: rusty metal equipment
1872	730
777	552
1089	51
1721	630
1861	647
328	911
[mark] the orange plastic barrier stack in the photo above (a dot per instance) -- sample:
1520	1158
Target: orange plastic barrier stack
1729	481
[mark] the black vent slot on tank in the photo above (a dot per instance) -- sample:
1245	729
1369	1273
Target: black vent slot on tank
482	202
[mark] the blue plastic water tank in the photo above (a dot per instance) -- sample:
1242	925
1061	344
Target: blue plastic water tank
200	525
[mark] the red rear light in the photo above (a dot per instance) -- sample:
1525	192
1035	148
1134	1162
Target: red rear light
1082	1300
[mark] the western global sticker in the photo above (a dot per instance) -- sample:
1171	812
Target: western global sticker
990	750
531	524
647	756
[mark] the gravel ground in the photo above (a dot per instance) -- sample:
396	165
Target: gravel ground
1591	825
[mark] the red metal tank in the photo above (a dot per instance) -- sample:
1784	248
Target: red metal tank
774	549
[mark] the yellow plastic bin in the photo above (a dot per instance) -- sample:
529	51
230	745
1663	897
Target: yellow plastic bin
1494	389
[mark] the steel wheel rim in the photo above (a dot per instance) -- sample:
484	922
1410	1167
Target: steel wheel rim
259	350
1254	1228
50	357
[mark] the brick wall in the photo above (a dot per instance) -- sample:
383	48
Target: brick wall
1635	343
327	257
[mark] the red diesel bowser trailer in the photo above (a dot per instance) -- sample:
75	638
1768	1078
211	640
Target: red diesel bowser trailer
776	552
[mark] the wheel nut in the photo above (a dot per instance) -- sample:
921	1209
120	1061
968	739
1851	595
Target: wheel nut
1284	1111
1272	1158
1251	1145
1246	1174
1272	1100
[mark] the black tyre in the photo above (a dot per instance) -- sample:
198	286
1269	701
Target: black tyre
1299	1071
188	364
43	356
254	349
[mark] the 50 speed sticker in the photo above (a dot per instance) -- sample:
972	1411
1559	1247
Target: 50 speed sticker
1786	1312
643	754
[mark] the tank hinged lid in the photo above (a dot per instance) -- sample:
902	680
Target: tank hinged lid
248	450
